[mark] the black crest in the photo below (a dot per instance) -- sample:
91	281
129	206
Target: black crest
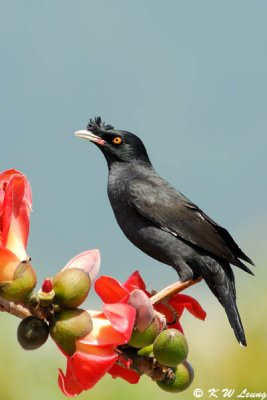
96	125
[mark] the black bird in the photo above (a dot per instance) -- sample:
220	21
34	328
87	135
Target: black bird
163	223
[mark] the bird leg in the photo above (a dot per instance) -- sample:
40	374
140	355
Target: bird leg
172	289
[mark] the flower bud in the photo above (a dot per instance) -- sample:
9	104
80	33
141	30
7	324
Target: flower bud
144	309
47	286
184	375
68	326
146	337
32	333
46	294
170	348
71	287
146	351
21	286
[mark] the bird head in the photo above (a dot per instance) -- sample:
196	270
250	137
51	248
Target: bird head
116	145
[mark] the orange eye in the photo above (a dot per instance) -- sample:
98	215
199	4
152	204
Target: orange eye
117	140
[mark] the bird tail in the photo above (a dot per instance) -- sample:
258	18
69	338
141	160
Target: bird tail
222	284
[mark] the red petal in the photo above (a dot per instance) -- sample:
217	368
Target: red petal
5	177
102	334
68	383
16	213
8	264
89	367
177	326
111	328
182	301
89	261
122	317
127	374
110	290
7	174
135	282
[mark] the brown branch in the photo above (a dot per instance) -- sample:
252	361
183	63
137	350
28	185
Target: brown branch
34	307
14	309
172	289
146	365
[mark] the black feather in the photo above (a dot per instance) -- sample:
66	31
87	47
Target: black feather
222	284
96	126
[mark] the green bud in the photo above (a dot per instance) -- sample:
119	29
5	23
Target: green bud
71	287
170	348
19	289
146	337
69	325
146	351
32	333
184	375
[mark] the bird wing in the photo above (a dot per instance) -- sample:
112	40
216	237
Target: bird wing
171	211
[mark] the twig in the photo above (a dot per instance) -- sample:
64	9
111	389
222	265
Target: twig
146	365
14	309
172	289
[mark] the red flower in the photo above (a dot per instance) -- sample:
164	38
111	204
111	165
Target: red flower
96	353
15	207
112	291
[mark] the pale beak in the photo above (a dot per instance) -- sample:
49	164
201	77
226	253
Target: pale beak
84	134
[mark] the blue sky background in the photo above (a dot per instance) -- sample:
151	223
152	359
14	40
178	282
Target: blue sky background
190	78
